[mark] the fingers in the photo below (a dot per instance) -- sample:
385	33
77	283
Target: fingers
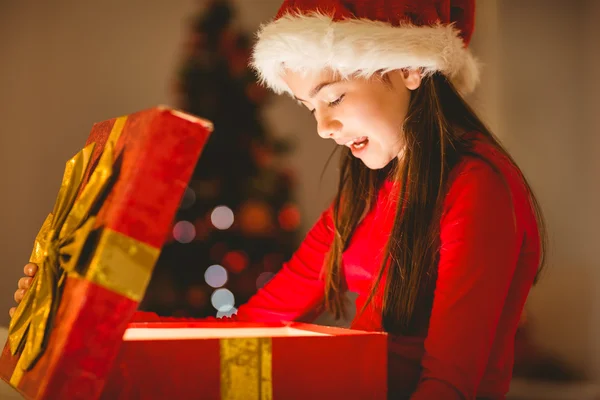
12	310
25	283
19	294
30	269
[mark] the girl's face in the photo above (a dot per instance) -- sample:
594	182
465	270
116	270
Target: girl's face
364	114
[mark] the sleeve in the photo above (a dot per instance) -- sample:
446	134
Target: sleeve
479	248
292	293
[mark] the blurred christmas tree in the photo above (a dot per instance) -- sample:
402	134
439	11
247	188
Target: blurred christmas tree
237	222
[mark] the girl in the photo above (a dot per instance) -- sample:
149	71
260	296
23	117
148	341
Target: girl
433	224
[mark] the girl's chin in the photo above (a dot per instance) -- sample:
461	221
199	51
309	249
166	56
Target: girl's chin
376	164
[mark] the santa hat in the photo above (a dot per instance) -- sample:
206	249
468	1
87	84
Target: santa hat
362	37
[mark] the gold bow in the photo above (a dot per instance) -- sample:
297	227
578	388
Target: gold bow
57	248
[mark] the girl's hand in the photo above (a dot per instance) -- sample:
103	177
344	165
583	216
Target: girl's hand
24	284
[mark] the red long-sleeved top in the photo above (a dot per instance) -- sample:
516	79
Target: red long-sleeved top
488	259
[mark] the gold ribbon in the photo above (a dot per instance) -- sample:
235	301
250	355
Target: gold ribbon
246	369
57	249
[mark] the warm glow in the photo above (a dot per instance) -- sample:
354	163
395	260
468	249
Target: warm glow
132	334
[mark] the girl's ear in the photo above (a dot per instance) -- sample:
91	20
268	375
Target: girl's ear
412	78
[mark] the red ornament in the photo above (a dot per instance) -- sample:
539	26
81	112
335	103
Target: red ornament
235	261
289	217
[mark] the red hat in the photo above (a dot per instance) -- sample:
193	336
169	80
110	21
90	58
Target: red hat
361	37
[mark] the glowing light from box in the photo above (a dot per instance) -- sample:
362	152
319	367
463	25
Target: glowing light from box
222	299
184	232
221	314
263	279
215	276
222	217
188	199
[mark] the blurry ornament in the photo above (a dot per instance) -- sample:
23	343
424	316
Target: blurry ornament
235	261
222	299
254	217
215	276
196	296
289	217
184	231
222	217
263	156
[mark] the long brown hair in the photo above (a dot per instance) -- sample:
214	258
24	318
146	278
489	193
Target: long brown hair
436	115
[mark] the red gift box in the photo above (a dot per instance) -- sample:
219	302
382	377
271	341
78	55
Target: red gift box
96	252
249	361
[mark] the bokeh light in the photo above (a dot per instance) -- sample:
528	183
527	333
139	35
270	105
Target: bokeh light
235	261
221	314
222	299
255	219
188	199
215	276
222	217
289	217
263	279
196	296
184	232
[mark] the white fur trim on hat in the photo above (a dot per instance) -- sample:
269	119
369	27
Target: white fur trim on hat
303	43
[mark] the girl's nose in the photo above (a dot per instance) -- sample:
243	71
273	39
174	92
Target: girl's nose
328	128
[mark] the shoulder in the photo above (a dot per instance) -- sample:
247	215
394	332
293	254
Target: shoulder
484	174
486	182
485	162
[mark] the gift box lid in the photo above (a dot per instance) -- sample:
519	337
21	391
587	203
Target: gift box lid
96	251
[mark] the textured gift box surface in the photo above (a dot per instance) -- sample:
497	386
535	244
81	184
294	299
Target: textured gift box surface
97	249
250	361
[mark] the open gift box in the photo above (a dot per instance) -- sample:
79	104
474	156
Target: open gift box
238	360
71	336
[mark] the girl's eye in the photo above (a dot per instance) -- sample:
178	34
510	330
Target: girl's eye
330	104
336	102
